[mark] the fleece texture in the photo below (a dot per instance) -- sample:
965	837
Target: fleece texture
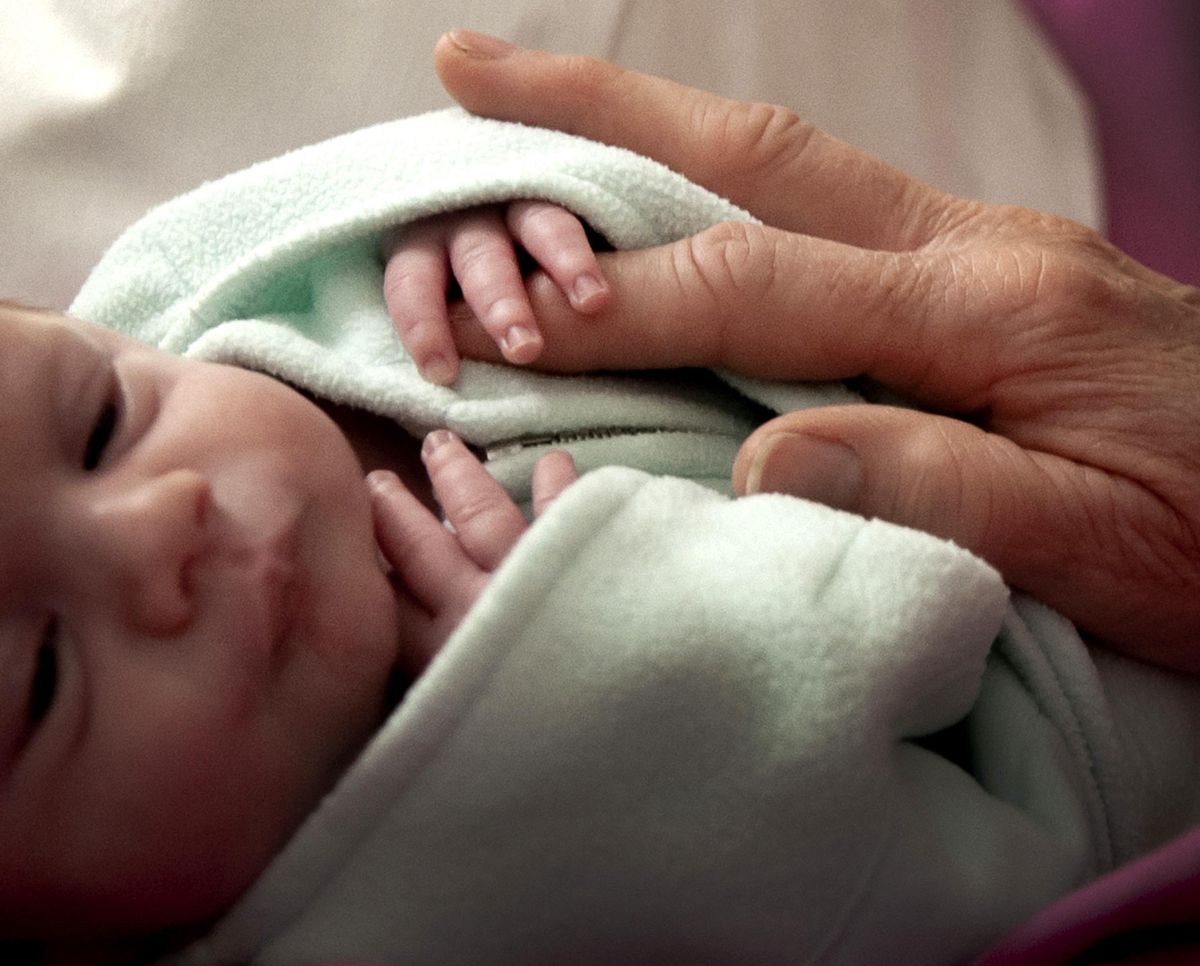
676	727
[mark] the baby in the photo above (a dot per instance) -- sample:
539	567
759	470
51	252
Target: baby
269	708
179	545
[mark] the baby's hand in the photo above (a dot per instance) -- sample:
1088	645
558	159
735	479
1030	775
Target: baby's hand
438	574
477	247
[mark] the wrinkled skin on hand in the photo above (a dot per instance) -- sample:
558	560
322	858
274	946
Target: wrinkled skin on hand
1060	379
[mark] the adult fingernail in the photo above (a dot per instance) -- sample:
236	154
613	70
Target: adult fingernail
585	289
437	369
520	344
435	441
817	469
474	44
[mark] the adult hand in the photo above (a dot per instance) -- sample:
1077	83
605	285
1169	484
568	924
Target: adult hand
1063	378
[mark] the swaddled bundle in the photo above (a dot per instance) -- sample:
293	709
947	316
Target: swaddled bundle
675	726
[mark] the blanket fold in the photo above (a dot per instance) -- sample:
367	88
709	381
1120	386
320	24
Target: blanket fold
675	727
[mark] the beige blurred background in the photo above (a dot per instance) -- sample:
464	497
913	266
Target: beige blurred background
110	106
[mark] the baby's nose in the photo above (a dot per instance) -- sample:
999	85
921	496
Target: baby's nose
149	535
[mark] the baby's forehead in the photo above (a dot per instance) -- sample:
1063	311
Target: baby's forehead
26	334
42	353
32	327
29	319
24	327
30	338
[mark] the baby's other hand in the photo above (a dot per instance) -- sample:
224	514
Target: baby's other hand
477	246
438	573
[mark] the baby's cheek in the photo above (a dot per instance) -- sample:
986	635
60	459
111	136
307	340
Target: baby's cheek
162	834
217	826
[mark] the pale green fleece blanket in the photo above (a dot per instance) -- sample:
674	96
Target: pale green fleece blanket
676	727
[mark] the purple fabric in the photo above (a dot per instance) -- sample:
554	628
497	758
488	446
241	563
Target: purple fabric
1139	63
1147	912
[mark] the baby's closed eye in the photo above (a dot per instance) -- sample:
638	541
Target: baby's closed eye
43	685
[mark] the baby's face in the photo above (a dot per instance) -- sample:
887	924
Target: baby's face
195	631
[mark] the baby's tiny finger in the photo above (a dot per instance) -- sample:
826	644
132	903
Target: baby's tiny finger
485	264
419	638
425	556
484	517
414	290
552	474
556	240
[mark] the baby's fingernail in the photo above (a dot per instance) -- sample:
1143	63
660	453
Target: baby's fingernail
435	441
520	344
380	480
438	370
475	44
585	289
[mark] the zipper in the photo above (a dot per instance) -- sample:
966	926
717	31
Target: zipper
513	447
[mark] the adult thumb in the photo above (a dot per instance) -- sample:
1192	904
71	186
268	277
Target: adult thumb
1049	525
929	472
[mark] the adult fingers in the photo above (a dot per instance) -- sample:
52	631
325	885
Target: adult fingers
774	304
552	474
485	519
760	156
1093	530
556	240
485	265
414	290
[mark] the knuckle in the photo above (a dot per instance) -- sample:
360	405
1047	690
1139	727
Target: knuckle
936	493
395	291
550	228
898	299
399	278
410	320
745	252
938	220
1058	267
757	137
478	514
470	508
475	256
1077	282
906	289
1039	291
734	265
537	214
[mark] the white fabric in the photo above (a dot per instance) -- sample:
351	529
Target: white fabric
276	268
629	754
111	106
675	726
632	752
